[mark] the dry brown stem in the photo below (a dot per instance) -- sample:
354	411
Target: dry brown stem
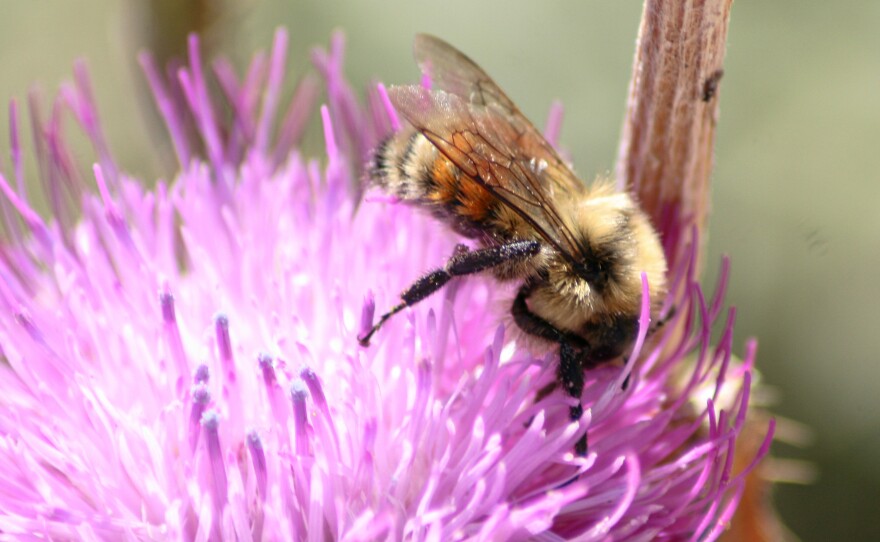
665	158
665	154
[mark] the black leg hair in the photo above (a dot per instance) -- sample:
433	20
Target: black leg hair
571	376
572	352
462	262
574	355
533	324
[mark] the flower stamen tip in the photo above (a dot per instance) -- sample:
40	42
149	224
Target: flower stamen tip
166	301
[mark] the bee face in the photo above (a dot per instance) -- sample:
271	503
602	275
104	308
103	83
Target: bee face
618	245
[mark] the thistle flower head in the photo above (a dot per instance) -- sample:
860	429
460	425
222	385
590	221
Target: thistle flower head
182	363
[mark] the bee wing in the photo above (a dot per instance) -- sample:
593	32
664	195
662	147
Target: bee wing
452	71
501	152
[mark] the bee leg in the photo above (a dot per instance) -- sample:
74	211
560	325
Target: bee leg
572	349
546	390
533	324
571	376
462	262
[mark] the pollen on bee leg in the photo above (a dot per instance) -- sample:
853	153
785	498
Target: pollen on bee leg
460	248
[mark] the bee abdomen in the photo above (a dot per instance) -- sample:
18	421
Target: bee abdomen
411	168
401	166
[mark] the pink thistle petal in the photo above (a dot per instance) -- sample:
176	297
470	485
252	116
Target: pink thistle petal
15	149
389	109
167	108
298	394
553	128
193	84
201	399
294	123
272	90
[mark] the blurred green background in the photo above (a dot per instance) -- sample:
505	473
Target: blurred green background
796	184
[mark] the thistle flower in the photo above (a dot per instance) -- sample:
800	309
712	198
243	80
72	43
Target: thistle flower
182	362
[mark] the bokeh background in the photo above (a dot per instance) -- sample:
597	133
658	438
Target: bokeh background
796	186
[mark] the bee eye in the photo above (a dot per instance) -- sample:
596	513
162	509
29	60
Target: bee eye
592	271
586	271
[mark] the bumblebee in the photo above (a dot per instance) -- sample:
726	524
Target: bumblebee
577	252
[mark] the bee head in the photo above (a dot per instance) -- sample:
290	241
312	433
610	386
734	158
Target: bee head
615	244
604	247
598	265
594	271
